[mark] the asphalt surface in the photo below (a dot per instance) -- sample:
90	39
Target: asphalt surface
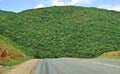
77	66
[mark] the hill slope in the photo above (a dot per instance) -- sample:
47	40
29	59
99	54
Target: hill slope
8	51
65	31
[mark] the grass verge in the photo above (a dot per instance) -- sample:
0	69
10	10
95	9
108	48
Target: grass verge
11	63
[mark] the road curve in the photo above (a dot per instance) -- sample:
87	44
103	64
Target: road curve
76	66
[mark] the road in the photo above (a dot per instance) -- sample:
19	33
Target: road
77	66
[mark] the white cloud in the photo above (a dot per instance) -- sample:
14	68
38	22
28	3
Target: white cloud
39	6
80	1
63	2
116	8
57	3
75	1
71	2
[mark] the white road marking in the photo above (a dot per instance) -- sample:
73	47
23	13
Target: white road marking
115	66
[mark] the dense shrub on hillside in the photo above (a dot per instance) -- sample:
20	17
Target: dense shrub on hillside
64	31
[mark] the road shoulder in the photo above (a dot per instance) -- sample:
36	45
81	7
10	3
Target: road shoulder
24	68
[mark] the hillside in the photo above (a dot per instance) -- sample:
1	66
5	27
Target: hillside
8	51
64	31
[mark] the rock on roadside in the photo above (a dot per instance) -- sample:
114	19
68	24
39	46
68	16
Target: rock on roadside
25	68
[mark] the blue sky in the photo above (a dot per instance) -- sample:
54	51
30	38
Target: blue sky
20	5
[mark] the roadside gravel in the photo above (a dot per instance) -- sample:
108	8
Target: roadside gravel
25	68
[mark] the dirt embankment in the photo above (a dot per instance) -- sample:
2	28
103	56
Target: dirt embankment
6	55
114	54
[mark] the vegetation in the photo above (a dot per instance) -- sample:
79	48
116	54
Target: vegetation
13	48
5	44
15	61
63	31
13	55
11	64
111	55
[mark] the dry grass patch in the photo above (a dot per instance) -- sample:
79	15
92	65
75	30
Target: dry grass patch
111	55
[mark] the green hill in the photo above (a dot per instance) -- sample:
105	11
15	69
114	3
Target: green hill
64	31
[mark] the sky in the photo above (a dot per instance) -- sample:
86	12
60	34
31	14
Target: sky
20	5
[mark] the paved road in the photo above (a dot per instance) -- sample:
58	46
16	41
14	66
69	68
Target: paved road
77	66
